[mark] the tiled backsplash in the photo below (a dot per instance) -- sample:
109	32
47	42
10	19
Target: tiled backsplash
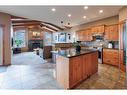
99	44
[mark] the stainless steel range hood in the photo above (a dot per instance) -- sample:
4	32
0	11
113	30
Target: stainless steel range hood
99	34
98	37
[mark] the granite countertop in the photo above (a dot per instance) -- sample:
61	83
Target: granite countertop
72	53
111	48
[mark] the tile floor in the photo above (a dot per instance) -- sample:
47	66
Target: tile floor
41	76
108	77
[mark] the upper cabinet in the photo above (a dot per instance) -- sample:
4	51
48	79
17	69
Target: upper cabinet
98	29
84	35
79	35
111	32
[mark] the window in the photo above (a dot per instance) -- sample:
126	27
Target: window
20	38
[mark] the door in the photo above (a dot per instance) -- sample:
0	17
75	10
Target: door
1	45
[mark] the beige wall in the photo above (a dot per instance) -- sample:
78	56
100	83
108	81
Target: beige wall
105	21
5	20
28	35
123	14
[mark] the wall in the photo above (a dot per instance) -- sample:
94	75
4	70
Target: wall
105	21
123	14
29	35
5	20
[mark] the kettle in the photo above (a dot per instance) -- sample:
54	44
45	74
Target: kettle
110	45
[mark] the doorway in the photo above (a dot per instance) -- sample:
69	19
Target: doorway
1	45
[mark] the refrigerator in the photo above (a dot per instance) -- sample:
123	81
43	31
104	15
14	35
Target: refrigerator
125	44
1	45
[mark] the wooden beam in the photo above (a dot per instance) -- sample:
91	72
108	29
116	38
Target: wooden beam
48	27
27	24
25	21
54	25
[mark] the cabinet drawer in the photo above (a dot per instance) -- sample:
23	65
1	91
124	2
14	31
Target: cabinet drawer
105	60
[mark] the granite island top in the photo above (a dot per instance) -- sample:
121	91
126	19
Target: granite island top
72	52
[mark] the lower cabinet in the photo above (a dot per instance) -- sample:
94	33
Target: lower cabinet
111	56
90	64
71	71
83	67
75	70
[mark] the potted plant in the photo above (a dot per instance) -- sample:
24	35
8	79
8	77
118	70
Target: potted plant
77	46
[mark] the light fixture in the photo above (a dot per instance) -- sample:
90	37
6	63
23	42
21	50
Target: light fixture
69	15
86	7
53	9
100	11
66	25
84	17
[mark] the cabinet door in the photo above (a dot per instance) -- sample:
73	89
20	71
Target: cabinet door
115	34
94	63
87	62
89	38
111	33
75	70
79	35
111	57
107	33
84	36
101	29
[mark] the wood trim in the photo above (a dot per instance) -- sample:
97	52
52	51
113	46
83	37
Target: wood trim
48	27
25	21
26	24
54	25
3	26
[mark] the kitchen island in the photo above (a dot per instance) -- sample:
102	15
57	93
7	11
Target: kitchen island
73	67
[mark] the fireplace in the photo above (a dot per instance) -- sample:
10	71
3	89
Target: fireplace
33	44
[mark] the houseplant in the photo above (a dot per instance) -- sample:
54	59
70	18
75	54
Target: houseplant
77	46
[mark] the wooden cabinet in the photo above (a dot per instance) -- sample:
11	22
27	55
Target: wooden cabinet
95	64
111	32
87	63
90	64
79	35
71	71
98	29
84	35
75	70
111	56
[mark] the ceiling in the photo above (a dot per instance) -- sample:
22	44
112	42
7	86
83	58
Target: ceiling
44	13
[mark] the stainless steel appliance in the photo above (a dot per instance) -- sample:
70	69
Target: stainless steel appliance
100	54
125	43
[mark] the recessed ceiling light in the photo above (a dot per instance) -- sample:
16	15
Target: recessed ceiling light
84	16
86	7
69	15
100	11
53	9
